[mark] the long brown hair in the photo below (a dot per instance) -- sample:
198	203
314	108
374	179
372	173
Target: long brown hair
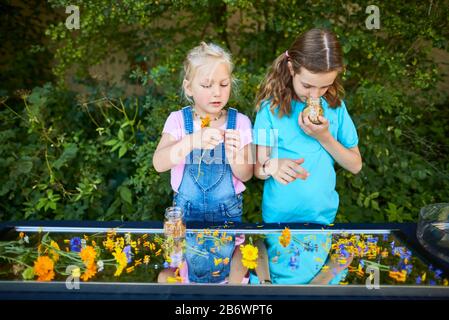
317	50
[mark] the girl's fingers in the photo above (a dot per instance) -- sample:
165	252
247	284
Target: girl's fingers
290	172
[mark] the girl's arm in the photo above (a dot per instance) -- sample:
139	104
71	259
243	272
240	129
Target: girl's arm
242	164
262	156
170	152
283	170
240	160
350	159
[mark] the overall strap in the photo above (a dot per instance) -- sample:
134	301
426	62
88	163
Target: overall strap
188	119
188	124
232	118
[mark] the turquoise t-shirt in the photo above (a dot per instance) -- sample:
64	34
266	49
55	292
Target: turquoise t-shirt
315	199
301	261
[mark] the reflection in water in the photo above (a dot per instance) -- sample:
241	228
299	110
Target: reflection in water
302	261
282	257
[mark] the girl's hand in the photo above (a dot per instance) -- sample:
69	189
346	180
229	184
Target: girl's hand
232	143
318	131
286	170
207	138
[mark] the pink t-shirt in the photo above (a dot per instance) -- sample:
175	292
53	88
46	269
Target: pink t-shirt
174	125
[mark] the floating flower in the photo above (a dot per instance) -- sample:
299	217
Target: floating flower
250	264
76	272
249	254
54	255
90	272
217	261
121	259
75	244
285	237
127	251
43	268
88	255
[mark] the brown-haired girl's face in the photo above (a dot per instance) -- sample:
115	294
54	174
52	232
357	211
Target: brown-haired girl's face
307	84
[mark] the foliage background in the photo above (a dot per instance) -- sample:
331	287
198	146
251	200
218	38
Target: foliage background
79	143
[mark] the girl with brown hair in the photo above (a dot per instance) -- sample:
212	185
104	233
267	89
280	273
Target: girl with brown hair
298	146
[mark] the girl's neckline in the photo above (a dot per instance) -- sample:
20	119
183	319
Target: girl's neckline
223	120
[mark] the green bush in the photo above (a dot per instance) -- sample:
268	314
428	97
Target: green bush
88	156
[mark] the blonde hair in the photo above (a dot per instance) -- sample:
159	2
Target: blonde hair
317	50
200	56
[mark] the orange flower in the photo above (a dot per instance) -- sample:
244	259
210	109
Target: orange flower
89	273
88	255
205	122
43	268
285	237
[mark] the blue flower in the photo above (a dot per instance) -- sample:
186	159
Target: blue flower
438	273
166	264
127	251
418	280
75	244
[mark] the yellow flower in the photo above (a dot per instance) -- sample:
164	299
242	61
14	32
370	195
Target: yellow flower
54	255
121	259
76	273
130	269
218	261
88	255
250	264
249	252
146	259
109	244
43	268
21	235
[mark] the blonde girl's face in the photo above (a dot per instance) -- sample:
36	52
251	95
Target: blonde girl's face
314	85
210	87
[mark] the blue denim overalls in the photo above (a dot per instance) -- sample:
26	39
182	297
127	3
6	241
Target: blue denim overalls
207	194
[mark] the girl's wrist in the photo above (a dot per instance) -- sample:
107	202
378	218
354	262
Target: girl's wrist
264	168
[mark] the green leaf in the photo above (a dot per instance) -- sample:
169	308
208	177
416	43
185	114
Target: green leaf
126	195
111	142
121	135
28	273
70	151
122	150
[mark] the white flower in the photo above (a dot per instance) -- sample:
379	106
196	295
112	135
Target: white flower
26	239
100	265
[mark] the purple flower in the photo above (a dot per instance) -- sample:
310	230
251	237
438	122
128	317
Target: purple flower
127	251
438	273
418	280
75	244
